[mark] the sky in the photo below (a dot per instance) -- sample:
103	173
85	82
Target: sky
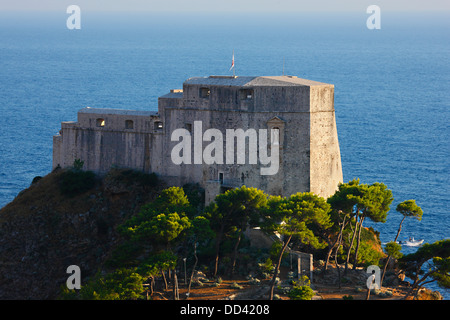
225	5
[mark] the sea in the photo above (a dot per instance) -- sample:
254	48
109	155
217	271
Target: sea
392	87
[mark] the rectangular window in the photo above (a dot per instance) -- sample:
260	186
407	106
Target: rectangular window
129	124
100	122
158	125
246	94
204	92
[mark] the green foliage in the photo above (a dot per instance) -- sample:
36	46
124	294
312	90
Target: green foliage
162	228
436	255
356	202
367	255
275	250
74	182
303	281
442	274
172	223
125	255
201	229
393	249
344	199
163	260
241	205
428	251
409	208
172	199
231	213
298	216
167	211
122	284
368	252
371	200
78	164
301	292
195	195
130	177
267	266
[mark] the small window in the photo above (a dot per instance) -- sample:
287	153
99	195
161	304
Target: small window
221	177
158	125
204	92
275	135
246	94
100	122
129	124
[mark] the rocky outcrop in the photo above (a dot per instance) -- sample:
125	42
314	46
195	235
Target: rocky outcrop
42	232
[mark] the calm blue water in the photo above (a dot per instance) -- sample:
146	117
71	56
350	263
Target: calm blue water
392	87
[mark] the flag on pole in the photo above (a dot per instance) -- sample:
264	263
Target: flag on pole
232	63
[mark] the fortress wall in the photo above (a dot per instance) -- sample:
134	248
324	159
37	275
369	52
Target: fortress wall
302	110
57	151
281	98
101	149
293	173
325	169
122	140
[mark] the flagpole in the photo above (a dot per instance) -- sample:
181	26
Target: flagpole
234	67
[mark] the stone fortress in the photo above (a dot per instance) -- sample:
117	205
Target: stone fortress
300	111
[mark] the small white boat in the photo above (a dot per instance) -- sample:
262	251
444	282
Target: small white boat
412	242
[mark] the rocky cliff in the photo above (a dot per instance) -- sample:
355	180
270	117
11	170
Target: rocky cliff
44	230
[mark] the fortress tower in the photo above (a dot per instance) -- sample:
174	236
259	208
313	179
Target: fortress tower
300	111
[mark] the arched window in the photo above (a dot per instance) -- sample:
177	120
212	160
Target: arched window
276	128
275	135
100	122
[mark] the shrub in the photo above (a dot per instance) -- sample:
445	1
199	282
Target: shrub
74	182
301	293
133	177
267	266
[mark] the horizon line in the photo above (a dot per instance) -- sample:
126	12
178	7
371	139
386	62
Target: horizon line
252	12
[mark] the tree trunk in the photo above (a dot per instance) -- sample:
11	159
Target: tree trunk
152	285
175	285
399	229
384	270
337	265
329	253
164	278
336	254
235	252
389	257
339	238
351	244
358	240
193	271
218	240
277	267
418	283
